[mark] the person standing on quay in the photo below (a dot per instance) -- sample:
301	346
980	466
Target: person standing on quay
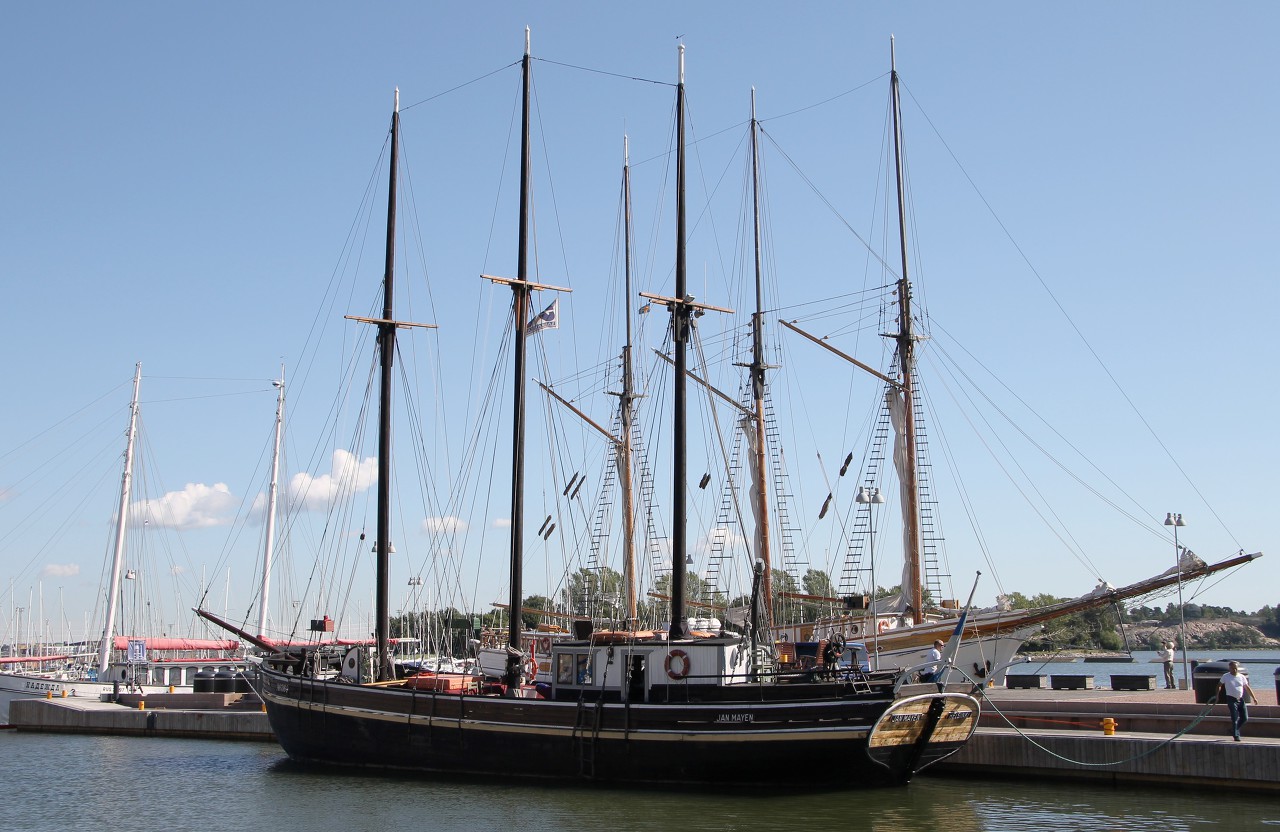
1234	685
1166	655
933	672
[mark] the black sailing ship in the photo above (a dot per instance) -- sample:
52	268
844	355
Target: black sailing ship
676	707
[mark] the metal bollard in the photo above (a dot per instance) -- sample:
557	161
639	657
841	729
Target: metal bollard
1108	727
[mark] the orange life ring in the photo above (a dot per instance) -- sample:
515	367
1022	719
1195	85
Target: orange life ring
544	645
531	668
683	670
884	625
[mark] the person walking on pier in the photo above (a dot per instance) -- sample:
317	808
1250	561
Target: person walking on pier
933	672
1234	685
1166	655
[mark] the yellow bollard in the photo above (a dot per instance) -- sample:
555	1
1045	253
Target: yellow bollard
48	694
1108	726
64	693
142	704
170	688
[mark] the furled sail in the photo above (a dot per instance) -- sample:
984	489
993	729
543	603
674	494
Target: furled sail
898	415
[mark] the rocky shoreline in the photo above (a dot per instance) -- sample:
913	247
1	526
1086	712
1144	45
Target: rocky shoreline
1213	634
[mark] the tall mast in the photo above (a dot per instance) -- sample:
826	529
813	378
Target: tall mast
520	289
269	545
757	376
680	316
625	402
122	522
907	359
386	349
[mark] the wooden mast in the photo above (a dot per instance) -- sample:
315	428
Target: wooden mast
758	379
625	401
680	317
683	309
387	325
520	303
906	359
621	444
122	522
386	352
521	289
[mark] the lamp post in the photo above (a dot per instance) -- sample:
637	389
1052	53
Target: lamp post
416	582
872	497
1175	520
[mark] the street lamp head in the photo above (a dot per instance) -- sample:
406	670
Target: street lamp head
869	495
1172	519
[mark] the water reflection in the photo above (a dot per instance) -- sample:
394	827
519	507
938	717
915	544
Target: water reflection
54	781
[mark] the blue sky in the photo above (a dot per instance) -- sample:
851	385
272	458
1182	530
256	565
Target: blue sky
178	183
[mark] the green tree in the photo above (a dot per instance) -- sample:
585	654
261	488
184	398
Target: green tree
531	620
696	590
817	582
1091	629
593	592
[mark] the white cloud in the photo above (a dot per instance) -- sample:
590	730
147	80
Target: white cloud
197	506
60	570
732	540
444	525
502	523
347	476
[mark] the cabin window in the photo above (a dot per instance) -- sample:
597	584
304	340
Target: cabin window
564	669
584	669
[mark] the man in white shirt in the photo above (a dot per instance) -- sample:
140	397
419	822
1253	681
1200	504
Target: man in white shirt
933	672
1234	685
1166	655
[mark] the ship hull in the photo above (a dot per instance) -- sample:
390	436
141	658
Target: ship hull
818	742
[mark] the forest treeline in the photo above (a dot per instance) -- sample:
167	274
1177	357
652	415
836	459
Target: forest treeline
599	595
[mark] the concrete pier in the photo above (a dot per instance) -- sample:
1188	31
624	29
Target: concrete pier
1036	734
1205	762
169	715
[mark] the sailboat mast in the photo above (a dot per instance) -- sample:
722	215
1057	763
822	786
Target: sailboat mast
520	288
272	491
757	377
626	400
680	314
386	349
122	522
906	358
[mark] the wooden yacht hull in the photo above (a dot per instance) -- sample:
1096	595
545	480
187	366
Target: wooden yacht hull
816	742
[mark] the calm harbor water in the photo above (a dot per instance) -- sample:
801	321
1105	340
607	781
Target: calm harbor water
54	782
